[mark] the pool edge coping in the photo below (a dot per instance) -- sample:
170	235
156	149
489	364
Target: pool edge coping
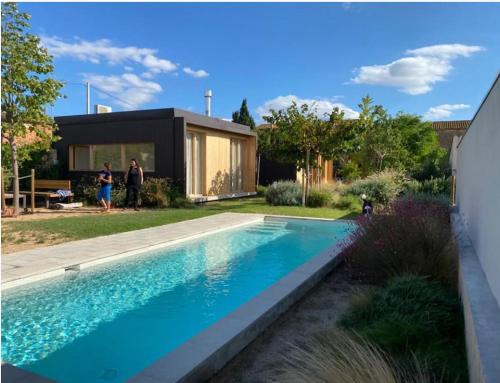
202	356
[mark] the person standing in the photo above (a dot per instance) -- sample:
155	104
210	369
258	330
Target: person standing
105	181
133	181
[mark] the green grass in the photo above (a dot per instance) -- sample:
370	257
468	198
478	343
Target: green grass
81	227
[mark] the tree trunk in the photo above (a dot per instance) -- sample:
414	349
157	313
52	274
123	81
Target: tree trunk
3	194
303	187
258	170
15	174
306	189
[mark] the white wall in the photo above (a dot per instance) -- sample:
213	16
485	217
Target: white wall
478	185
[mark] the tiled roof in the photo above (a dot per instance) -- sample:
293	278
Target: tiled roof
451	125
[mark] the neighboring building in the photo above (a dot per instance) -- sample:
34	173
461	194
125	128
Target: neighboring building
450	133
446	130
207	158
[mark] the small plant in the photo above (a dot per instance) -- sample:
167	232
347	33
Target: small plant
347	201
286	193
154	192
319	198
440	186
261	190
412	316
381	188
339	357
181	202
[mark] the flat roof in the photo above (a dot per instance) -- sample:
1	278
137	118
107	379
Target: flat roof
156	114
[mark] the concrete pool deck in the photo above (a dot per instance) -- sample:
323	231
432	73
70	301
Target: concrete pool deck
36	264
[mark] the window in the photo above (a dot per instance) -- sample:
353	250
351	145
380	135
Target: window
237	160
92	157
81	157
193	163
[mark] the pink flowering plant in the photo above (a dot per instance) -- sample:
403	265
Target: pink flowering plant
410	236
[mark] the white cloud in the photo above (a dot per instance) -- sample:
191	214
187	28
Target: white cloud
418	73
195	73
104	50
443	111
132	91
322	105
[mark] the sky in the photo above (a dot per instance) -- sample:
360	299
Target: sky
436	60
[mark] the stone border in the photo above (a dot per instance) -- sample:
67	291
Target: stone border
60	271
481	310
202	356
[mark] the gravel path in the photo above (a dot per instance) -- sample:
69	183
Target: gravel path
319	310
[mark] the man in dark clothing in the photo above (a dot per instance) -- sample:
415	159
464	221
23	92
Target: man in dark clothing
133	181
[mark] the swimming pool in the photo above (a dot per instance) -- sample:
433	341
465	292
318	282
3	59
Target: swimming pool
107	323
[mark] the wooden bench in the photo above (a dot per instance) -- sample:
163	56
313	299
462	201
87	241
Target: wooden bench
51	186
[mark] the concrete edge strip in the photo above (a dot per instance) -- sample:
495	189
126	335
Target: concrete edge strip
36	277
203	355
481	310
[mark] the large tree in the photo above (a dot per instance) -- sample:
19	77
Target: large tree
243	116
297	135
27	88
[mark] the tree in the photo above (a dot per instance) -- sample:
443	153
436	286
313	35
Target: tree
298	136
26	88
243	116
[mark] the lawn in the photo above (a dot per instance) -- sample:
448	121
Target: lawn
49	231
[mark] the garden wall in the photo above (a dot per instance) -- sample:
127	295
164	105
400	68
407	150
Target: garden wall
476	225
478	185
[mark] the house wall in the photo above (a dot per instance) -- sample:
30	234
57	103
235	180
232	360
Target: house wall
478	185
167	134
216	149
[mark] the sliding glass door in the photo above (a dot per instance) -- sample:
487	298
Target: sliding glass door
193	164
237	163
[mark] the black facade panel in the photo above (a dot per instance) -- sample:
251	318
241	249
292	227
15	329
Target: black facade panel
271	171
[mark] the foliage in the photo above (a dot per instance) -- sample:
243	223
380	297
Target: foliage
380	188
432	186
27	89
298	136
261	190
377	141
286	193
319	198
340	357
412	236
414	317
347	201
154	192
243	116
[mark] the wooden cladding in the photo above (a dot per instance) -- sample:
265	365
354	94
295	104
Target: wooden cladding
227	161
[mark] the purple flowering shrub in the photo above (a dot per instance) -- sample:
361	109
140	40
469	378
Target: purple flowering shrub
409	236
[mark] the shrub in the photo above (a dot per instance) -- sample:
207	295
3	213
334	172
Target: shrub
339	357
154	192
412	316
284	193
412	236
433	186
181	202
380	188
261	190
319	198
347	201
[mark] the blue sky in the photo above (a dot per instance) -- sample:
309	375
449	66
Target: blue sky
436	60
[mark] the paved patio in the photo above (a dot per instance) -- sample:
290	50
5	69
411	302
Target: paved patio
31	265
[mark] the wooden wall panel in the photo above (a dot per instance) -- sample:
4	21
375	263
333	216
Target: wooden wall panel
217	161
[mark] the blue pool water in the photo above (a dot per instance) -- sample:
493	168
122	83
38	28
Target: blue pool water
113	320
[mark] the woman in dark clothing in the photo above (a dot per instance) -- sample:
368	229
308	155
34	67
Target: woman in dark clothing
133	181
367	206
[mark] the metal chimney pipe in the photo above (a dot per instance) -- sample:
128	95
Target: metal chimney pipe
208	100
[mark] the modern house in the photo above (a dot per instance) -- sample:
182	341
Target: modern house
207	158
